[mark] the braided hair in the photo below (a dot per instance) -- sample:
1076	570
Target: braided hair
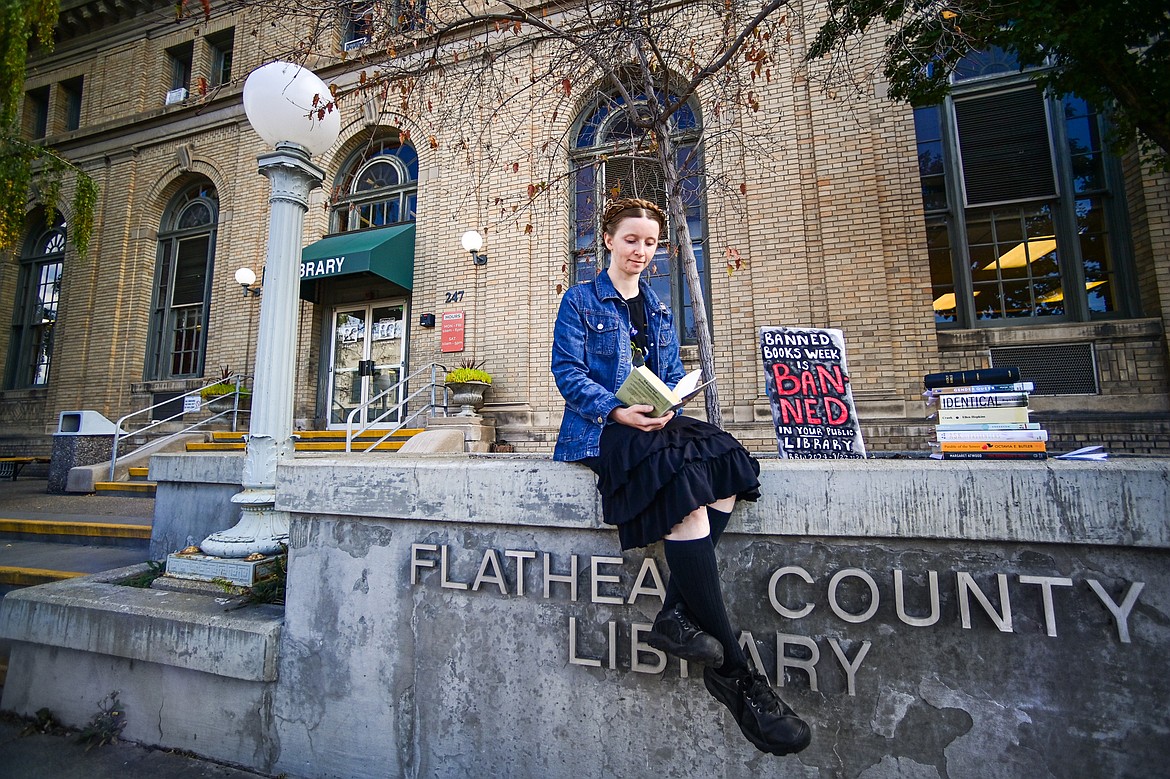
627	207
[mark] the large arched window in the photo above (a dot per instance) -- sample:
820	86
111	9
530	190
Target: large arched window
182	284
34	315
612	157
378	186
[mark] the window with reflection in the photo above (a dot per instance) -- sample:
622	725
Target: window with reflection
1023	204
378	186
613	158
34	316
182	284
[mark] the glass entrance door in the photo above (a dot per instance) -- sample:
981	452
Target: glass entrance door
369	352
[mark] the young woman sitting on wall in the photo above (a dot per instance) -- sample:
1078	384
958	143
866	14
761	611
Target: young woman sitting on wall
670	478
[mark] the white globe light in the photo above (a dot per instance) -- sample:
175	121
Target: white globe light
279	102
245	277
472	241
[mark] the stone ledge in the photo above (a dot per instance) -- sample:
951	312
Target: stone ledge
182	630
201	468
1117	503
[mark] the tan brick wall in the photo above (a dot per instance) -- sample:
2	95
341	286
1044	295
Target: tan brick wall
828	222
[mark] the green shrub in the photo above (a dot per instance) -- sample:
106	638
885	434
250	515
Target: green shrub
468	370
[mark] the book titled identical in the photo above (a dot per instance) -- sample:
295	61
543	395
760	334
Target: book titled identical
981	400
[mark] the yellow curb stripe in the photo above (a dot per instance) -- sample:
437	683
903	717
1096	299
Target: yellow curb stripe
27	577
310	435
339	446
125	486
50	527
302	446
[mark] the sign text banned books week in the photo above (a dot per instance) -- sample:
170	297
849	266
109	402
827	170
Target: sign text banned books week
808	388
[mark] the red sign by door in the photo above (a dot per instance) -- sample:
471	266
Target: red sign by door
451	337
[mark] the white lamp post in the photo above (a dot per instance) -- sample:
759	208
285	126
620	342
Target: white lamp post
284	104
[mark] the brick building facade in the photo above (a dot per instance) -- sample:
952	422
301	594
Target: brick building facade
854	212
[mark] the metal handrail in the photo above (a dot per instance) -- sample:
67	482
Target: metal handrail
431	386
235	410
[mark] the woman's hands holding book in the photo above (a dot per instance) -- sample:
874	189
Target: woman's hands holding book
637	416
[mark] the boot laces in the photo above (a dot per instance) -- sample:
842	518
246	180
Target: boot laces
760	695
687	624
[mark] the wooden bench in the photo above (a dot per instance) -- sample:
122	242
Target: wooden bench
11	466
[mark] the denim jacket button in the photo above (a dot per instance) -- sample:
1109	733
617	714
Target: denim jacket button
600	326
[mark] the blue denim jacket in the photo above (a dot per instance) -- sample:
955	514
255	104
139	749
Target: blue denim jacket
591	358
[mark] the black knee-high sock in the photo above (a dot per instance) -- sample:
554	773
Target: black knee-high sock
718	521
692	566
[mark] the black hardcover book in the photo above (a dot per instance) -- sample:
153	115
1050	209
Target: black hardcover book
965	378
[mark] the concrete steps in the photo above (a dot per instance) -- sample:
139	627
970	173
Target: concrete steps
310	441
25	563
129	489
47	537
37	551
138	485
76	531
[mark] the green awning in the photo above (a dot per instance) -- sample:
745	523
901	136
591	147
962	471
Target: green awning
386	251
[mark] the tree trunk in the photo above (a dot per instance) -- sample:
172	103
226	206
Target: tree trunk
686	255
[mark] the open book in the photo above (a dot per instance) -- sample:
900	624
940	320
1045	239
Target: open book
642	387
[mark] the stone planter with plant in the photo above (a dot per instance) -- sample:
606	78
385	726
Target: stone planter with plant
468	383
218	396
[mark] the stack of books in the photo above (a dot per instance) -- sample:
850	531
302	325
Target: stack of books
983	415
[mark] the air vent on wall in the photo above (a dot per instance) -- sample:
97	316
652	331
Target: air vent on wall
1056	369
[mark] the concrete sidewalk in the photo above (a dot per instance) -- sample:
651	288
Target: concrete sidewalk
61	756
26	498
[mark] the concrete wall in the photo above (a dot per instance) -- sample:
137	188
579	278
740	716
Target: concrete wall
453	677
411	647
193	499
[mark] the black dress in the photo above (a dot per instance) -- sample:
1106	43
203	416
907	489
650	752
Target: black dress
649	481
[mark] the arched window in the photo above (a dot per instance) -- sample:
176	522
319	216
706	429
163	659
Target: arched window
612	157
378	186
38	291
182	284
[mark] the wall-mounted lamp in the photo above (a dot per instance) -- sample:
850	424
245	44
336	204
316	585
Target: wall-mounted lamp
473	242
246	278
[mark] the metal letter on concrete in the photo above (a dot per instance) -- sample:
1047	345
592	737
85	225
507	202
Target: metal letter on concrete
261	527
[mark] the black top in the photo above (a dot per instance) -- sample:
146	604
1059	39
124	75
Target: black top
637	306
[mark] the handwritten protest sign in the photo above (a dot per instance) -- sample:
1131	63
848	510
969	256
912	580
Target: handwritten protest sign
808	388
